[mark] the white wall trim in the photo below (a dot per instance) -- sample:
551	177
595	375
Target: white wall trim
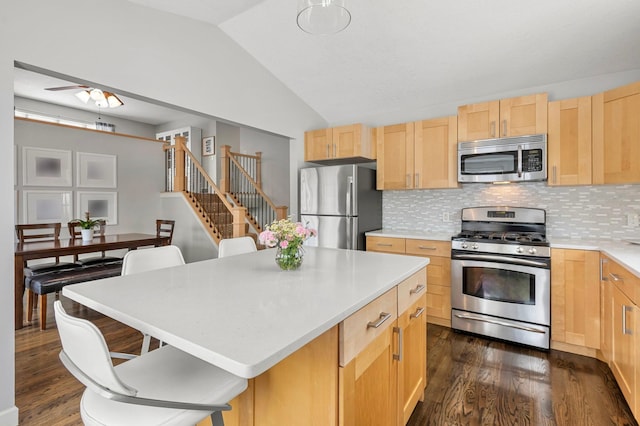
9	417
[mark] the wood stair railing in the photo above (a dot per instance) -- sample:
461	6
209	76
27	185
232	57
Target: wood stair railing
242	182
186	175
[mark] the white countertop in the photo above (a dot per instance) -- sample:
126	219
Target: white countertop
627	254
242	313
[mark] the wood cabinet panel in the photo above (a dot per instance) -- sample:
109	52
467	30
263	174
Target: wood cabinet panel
606	309
338	143
428	247
386	244
616	135
575	297
436	153
624	356
395	156
317	144
478	121
411	290
569	142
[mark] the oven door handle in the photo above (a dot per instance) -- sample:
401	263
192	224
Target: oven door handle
502	323
514	260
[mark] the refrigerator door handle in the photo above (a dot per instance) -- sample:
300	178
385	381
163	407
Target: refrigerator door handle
349	226
349	195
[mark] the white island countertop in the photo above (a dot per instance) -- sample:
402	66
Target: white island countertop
242	313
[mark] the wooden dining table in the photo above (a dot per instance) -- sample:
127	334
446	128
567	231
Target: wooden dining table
69	247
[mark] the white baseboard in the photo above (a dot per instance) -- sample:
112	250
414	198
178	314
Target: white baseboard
9	417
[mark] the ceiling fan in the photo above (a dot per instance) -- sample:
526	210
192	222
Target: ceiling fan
102	98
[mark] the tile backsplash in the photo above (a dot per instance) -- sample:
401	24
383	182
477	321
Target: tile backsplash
572	212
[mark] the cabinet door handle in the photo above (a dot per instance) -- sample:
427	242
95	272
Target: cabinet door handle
427	248
417	313
504	127
334	150
625	330
384	244
602	262
417	185
418	289
398	356
616	277
408	180
383	317
493	129
555	179
328	155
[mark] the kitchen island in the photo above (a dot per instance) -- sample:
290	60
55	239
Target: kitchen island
245	315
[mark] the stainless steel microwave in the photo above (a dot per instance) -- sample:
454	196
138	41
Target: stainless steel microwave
512	159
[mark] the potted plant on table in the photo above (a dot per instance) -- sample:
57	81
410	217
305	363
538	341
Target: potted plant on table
86	226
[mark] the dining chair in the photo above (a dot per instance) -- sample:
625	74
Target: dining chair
34	232
149	259
74	233
235	246
164	228
165	386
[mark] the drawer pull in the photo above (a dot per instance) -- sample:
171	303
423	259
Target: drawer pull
384	244
417	313
383	317
427	248
418	289
626	309
616	277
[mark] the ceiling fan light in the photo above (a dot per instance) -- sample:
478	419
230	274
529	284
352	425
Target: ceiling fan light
113	100
84	96
102	103
323	17
97	95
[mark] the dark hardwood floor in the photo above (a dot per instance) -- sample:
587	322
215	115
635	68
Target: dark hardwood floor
477	381
472	381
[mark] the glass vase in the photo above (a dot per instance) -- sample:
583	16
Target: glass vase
290	258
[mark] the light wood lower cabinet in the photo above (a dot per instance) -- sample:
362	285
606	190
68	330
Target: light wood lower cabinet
438	271
575	298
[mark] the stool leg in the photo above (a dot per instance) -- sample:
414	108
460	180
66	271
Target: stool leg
30	307
42	299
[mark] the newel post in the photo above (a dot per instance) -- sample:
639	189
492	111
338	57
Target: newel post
224	175
281	212
259	169
239	214
178	185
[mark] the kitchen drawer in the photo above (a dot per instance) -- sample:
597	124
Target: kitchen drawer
411	290
358	330
439	271
385	244
428	247
628	283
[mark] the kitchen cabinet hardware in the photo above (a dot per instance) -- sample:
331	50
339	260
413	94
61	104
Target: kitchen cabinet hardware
383	317
417	313
417	289
398	356
616	277
626	309
421	247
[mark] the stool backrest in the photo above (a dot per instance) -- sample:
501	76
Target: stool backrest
234	246
143	260
84	346
38	231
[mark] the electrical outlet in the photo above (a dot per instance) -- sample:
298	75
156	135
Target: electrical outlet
633	219
446	217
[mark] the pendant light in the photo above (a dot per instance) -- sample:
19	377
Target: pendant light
323	17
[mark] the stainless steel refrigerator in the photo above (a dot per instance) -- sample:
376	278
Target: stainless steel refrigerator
341	203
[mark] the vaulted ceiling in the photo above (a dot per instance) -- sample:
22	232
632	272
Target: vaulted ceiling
398	59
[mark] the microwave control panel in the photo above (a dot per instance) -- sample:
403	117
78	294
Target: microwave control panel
532	160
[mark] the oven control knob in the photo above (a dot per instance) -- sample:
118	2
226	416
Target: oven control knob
532	250
519	250
464	245
474	246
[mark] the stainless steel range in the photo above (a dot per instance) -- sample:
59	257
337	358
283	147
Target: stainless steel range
500	275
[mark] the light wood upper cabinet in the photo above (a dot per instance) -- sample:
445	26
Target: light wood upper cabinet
616	135
575	297
436	153
419	155
569	142
339	143
395	156
523	115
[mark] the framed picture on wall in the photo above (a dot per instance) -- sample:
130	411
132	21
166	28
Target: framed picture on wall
96	170
46	167
47	206
209	145
100	205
